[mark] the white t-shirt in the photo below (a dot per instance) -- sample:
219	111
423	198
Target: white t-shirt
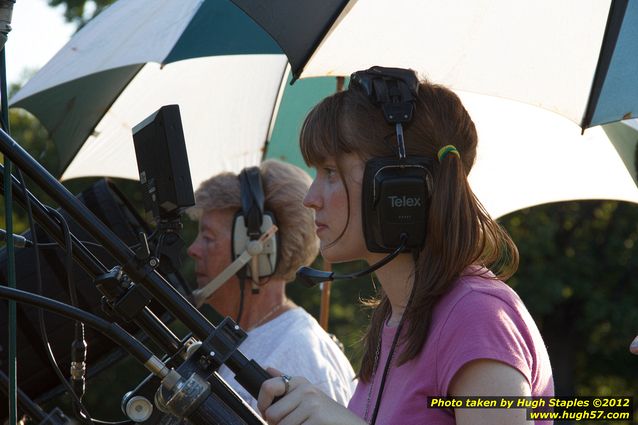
295	344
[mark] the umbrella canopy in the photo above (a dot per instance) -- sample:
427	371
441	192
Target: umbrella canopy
573	57
141	54
527	155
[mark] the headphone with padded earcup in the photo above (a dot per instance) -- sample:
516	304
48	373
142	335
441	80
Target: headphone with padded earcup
396	190
251	222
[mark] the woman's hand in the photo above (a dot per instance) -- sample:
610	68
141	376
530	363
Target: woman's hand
303	403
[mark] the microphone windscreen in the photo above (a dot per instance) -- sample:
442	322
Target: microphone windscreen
312	277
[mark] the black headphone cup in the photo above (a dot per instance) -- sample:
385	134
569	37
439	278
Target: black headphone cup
396	200
396	190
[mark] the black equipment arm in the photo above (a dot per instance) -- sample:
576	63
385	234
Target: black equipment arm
183	392
35	412
144	274
112	330
248	373
146	320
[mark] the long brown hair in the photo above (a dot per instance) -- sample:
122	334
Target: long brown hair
460	233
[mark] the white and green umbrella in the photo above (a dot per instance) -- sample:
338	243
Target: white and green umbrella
138	55
576	58
230	81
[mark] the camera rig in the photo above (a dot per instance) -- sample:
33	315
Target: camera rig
184	384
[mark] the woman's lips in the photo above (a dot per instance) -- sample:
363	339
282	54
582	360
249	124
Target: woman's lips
320	226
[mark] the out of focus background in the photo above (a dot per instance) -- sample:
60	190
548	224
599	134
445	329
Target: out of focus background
579	259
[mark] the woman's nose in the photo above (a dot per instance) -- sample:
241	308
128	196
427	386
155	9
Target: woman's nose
312	199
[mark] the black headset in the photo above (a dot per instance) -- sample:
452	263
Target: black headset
396	190
252	221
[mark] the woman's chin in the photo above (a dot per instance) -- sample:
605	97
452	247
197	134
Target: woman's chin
333	255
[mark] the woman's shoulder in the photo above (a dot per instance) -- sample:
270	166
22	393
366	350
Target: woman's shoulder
299	326
483	318
479	286
480	303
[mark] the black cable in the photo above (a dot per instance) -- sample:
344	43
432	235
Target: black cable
377	403
56	245
87	260
68	258
158	246
79	345
384	261
386	368
311	277
85	417
112	330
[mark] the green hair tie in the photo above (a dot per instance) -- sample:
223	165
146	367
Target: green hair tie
447	149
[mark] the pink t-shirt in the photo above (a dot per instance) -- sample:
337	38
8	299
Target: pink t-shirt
479	318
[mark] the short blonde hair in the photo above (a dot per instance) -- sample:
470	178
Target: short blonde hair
285	186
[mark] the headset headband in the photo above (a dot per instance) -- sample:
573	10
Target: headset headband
395	89
252	200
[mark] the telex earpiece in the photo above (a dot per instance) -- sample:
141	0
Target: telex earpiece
396	189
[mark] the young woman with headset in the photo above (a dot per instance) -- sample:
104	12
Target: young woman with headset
392	155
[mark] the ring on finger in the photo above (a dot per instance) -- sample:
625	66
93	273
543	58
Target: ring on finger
286	380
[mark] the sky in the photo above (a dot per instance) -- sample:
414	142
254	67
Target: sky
38	32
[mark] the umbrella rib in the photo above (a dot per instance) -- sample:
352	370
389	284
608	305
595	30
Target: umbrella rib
264	16
331	23
275	110
610	38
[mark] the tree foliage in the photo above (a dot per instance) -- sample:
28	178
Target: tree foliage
80	11
577	277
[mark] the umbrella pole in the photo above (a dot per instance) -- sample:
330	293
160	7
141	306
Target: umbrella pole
325	299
